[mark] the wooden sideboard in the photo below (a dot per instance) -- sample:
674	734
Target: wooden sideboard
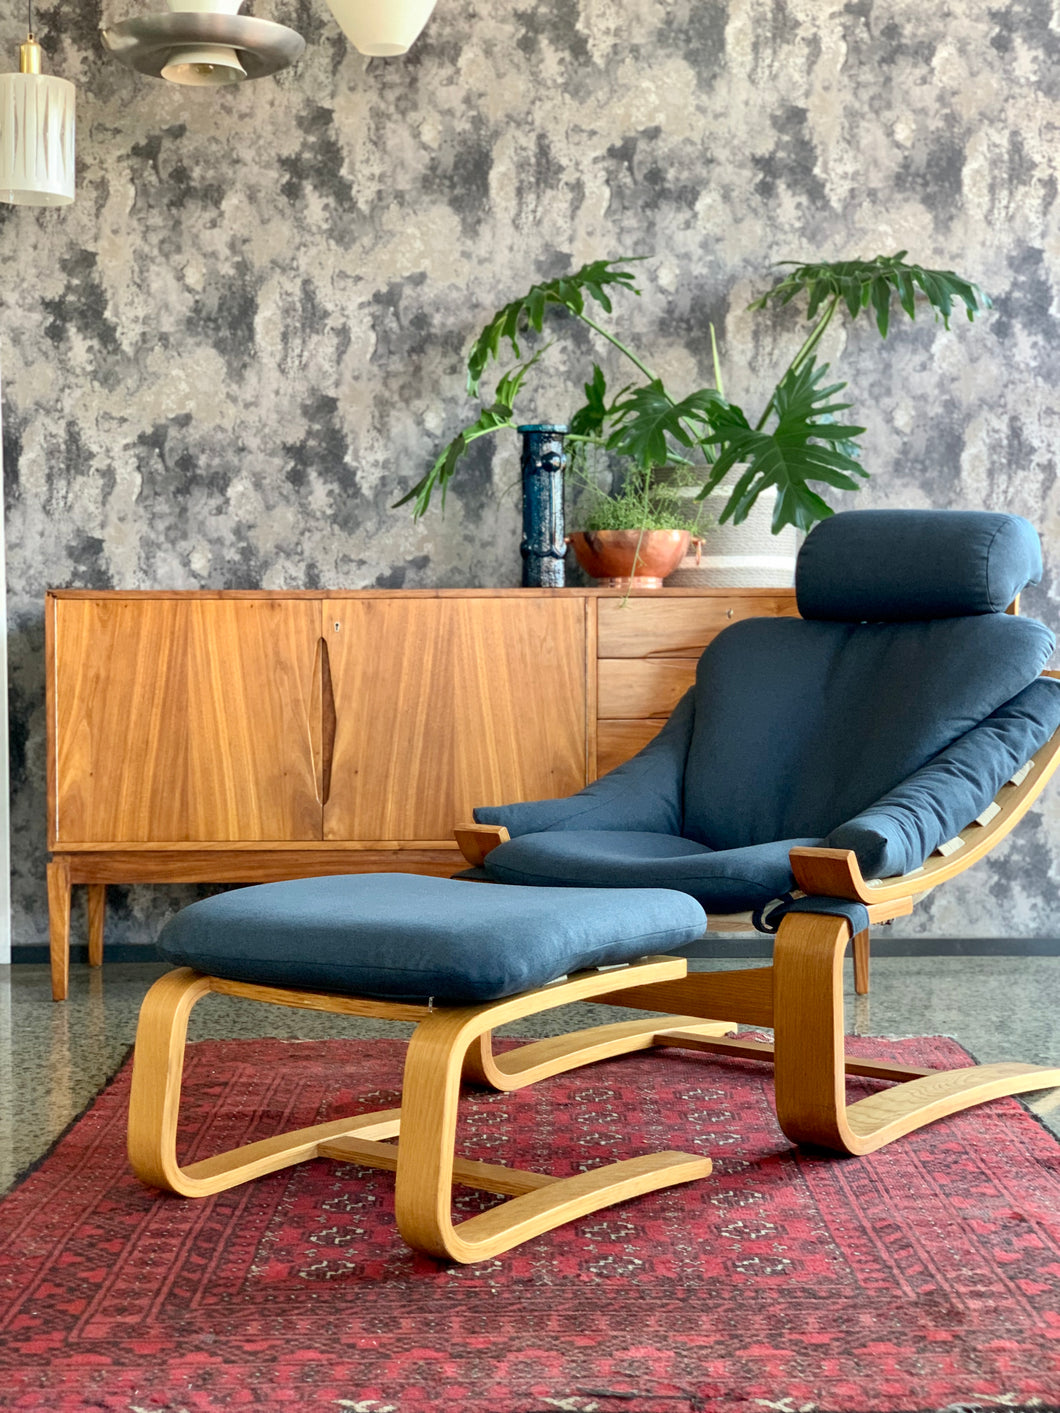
249	736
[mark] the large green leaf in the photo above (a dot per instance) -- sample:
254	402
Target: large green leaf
647	421
865	284
490	420
589	419
528	311
807	445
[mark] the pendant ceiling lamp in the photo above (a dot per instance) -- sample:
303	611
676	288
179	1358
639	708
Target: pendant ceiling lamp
36	132
382	28
203	44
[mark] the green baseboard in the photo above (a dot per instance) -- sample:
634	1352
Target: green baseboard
883	946
735	947
37	952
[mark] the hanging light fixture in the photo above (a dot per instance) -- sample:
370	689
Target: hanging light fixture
203	44
36	132
382	28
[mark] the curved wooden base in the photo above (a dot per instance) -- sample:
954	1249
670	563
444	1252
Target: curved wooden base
801	997
542	1059
425	1124
809	1048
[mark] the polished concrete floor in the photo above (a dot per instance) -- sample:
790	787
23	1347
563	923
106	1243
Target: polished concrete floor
54	1058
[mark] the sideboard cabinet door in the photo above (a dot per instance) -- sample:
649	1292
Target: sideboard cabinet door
441	704
180	720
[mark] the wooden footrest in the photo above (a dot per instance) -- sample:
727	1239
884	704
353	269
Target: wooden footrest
423	1159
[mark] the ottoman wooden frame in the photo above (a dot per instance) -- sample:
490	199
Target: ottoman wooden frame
446	1040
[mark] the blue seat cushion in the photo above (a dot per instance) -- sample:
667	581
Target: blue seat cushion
405	937
723	881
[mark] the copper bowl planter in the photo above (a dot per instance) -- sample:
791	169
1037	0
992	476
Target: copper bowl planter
610	554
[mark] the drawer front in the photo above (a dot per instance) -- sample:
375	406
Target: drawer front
631	687
679	626
617	741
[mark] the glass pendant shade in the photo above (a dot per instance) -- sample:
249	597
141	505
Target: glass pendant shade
382	28
204	65
36	135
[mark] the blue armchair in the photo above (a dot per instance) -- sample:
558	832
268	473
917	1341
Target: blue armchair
822	773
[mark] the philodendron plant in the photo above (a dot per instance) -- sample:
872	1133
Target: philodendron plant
796	442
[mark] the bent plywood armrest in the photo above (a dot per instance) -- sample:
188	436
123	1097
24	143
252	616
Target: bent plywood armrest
476	840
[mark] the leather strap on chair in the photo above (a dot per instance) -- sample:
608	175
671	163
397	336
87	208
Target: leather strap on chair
769	917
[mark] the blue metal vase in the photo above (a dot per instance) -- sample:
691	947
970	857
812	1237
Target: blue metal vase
543	548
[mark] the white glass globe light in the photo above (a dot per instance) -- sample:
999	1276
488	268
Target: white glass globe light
382	28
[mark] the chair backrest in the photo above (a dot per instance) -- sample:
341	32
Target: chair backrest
903	646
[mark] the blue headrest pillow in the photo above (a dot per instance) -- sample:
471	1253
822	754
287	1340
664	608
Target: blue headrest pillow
877	566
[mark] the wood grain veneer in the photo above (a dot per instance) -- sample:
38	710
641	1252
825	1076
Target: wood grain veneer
485	702
643	687
241	736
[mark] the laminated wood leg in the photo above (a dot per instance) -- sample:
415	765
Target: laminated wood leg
425	1163
810	1063
802	996
423	1157
97	904
154	1104
697	998
59	925
514	1069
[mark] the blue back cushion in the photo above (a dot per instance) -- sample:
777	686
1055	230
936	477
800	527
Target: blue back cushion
799	726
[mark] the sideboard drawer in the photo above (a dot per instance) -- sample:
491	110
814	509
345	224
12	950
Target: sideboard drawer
680	626
617	741
630	687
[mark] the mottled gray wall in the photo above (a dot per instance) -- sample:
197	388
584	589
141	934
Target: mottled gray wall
225	361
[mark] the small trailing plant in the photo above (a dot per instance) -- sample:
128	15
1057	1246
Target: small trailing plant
795	444
655	498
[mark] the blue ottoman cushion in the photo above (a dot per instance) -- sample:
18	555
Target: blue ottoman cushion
406	937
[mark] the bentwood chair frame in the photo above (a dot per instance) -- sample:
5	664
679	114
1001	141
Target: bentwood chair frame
424	1161
800	996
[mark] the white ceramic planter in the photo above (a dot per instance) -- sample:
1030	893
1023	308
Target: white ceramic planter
205	7
743	556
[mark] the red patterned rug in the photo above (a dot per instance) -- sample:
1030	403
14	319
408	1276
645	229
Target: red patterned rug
925	1277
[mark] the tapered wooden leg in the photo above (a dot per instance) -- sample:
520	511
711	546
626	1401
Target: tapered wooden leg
59	925
809	1054
861	963
425	1159
158	1064
97	904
